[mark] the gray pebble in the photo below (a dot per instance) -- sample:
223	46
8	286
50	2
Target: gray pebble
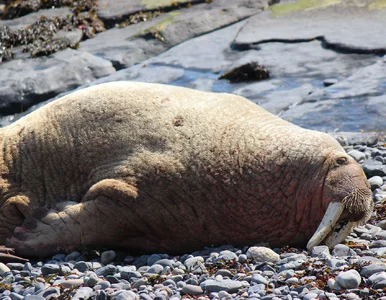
357	155
59	257
139	282
341	250
372	269
91	280
165	262
50	269
292	280
195	265
51	292
263	254
72	256
112	279
144	296
380	284
374	170
152	259
65	270
106	270
375	182
310	296
322	252
192	290
224	273
377	277
350	279
242	258
227	255
83	266
334	263
108	257
379	195
257	278
15	266
15	296
377	244
83	293
3	269
154	269
71	283
228	285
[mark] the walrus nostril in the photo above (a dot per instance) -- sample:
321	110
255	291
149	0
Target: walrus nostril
341	161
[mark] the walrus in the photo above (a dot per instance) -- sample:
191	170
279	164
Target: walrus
157	168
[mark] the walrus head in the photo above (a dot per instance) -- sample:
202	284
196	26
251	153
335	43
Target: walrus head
348	198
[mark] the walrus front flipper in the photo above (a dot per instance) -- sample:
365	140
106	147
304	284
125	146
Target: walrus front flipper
96	221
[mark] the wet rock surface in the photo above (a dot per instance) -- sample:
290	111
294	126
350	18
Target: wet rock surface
328	76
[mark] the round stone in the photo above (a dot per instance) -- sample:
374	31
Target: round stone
50	269
350	279
73	256
227	255
375	182
357	155
341	250
71	283
224	272
257	278
377	277
262	254
154	269
195	265
227	285
108	257
192	290
106	270
4	269
372	269
322	252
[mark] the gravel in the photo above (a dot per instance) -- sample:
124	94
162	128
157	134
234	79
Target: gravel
355	269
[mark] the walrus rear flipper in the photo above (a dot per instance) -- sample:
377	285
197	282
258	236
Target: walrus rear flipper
95	221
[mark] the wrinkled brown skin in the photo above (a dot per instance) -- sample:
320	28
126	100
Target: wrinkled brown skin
166	169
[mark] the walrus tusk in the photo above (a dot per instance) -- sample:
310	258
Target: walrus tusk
331	217
340	234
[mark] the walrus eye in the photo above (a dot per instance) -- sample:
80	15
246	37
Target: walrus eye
341	160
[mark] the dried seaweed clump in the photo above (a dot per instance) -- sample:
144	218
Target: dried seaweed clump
247	72
19	8
5	53
142	16
40	37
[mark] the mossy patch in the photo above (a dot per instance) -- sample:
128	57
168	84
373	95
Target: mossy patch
155	30
287	8
154	4
378	4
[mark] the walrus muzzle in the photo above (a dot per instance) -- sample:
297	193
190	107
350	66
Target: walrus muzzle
334	227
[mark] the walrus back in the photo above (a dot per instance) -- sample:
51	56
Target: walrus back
122	129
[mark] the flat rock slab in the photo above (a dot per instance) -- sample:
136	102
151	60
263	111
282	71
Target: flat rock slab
367	81
348	25
26	82
353	104
135	43
112	11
